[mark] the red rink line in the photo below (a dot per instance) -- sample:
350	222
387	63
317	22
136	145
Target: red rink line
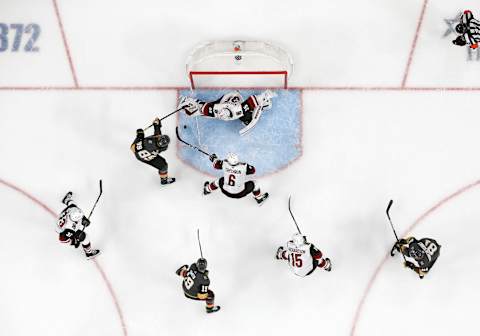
176	88
414	43
97	265
65	43
418	221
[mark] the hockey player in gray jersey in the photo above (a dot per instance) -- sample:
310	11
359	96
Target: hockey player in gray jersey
469	30
236	181
71	226
420	255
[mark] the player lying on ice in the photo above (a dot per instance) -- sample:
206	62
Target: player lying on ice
71	227
234	183
420	255
469	30
303	257
195	284
231	106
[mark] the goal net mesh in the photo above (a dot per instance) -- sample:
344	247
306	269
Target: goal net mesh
247	64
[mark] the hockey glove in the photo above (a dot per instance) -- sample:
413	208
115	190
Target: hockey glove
181	269
213	157
280	251
85	221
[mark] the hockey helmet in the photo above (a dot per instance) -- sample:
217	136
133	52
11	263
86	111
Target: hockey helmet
416	252
75	214
202	265
232	159
299	239
140	133
163	140
461	28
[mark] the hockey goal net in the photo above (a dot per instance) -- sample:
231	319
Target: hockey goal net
247	64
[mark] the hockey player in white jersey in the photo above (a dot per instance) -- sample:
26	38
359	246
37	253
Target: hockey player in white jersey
469	30
71	226
303	257
236	181
231	106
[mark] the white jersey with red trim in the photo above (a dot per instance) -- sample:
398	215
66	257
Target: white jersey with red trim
65	221
234	177
300	259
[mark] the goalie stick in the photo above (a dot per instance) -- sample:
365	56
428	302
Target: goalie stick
190	145
393	229
289	209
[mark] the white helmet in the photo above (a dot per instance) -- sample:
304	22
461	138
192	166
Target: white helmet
232	159
75	214
299	239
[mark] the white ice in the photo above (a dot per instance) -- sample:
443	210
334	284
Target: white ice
360	148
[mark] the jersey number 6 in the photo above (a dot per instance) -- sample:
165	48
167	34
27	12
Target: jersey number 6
231	180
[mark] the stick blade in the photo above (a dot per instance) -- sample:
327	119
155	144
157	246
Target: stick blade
390	203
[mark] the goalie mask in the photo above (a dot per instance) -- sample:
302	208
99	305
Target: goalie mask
232	159
299	239
202	265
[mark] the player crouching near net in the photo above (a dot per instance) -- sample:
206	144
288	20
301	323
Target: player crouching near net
234	183
71	227
148	149
195	284
303	257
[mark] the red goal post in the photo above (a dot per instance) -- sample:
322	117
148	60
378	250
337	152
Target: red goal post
239	64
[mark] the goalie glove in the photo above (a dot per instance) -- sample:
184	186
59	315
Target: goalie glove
189	104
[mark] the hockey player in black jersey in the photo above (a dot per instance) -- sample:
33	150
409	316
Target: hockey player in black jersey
469	30
420	255
195	284
148	149
71	226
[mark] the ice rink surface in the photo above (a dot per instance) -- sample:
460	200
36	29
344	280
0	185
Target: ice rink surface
389	112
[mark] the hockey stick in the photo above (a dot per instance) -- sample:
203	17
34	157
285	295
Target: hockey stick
93	208
393	229
98	198
199	244
289	209
191	146
165	117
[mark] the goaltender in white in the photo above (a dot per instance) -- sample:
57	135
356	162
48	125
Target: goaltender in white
231	106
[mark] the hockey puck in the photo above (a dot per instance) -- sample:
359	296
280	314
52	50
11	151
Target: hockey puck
184	126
